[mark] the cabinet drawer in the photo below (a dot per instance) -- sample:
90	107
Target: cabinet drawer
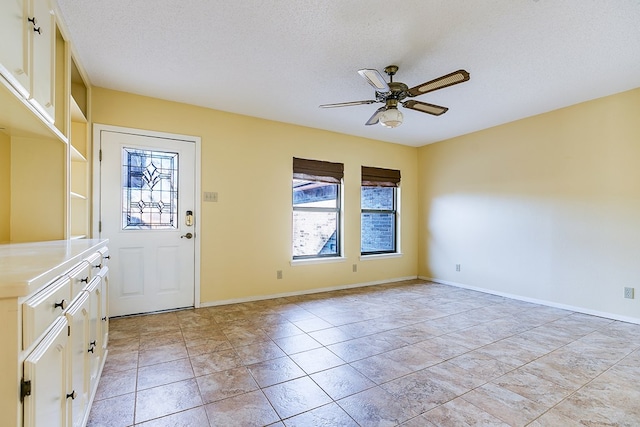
105	256
39	311
95	261
80	277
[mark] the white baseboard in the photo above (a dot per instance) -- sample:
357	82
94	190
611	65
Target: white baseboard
607	315
305	292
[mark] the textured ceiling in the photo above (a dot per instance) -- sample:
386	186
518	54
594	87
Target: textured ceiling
280	59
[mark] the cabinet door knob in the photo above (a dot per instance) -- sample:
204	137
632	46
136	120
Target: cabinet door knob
72	395
97	266
37	30
104	319
33	21
62	304
85	280
107	257
90	350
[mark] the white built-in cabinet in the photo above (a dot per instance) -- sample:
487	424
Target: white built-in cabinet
44	127
53	278
61	325
29	59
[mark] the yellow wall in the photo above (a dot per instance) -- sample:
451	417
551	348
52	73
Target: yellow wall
246	235
546	208
38	188
5	186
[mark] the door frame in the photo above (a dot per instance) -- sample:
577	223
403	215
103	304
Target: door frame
95	195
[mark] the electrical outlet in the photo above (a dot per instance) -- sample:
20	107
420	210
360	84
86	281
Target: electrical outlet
457	267
210	196
355	268
628	293
279	274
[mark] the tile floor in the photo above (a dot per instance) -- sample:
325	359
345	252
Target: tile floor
409	353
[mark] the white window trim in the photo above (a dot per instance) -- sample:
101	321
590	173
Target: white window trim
318	260
380	256
327	259
398	252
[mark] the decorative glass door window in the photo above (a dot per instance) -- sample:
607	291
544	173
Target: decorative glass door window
149	189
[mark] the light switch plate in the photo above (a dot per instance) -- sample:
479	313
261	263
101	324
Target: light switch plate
210	196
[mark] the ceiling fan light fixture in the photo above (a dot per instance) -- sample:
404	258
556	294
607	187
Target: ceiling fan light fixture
391	118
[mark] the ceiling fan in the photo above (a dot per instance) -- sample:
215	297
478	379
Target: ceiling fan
393	93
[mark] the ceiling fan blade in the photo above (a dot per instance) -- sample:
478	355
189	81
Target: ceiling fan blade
376	116
439	83
347	104
423	107
375	79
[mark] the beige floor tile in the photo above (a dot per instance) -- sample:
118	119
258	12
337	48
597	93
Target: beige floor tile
296	396
504	404
249	409
164	373
208	345
380	368
225	384
167	399
114	383
342	381
327	415
376	407
421	391
121	361
113	412
413	357
330	336
196	417
297	344
275	371
464	357
208	363
533	388
260	352
316	360
459	412
164	353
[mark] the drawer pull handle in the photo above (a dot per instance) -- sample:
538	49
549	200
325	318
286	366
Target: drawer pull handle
62	304
72	395
90	350
97	266
107	257
85	280
37	30
92	343
33	21
104	319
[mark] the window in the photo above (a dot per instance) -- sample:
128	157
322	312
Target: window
379	211
316	190
149	189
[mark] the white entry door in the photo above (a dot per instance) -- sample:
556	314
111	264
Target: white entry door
147	211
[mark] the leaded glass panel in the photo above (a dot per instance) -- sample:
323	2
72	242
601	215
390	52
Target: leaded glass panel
149	189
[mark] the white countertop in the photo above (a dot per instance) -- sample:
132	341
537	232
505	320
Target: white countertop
25	267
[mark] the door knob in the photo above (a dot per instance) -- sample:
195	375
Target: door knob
188	236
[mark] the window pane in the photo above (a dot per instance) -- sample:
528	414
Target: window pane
314	194
378	232
149	189
315	233
377	198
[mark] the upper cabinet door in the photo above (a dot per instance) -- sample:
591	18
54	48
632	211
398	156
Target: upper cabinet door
15	29
43	59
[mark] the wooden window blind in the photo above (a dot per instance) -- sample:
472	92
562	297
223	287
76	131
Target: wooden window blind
317	170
